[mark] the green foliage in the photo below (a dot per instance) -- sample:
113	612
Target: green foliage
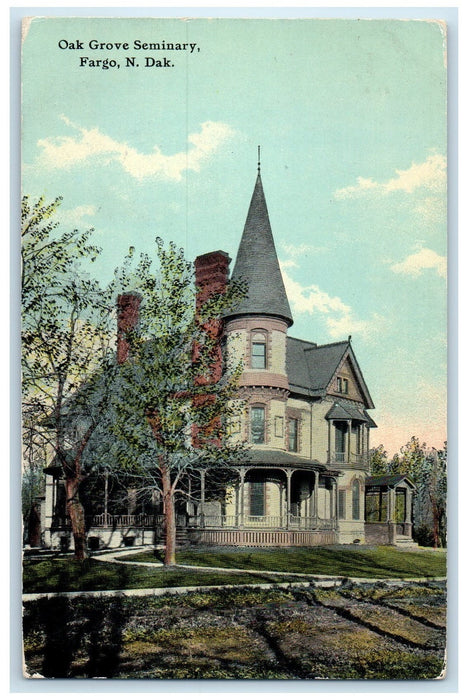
169	385
427	469
378	460
65	340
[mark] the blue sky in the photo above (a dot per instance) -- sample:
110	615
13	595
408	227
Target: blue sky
351	118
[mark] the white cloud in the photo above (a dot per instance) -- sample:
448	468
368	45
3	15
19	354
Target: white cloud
74	216
297	251
430	175
66	151
350	325
424	259
310	299
340	319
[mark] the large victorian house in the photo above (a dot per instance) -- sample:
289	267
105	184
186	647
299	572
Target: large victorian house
306	480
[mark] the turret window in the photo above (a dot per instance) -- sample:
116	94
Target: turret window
258	358
257	425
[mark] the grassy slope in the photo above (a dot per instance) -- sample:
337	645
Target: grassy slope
65	574
54	575
372	562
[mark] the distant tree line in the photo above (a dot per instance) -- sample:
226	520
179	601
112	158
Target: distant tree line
427	469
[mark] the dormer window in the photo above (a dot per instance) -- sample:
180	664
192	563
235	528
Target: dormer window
342	385
258	352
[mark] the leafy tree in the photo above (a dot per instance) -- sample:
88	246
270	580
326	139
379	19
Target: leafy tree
65	338
427	468
411	460
435	480
168	416
378	460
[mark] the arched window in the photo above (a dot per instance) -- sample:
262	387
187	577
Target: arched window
258	356
356	500
257	425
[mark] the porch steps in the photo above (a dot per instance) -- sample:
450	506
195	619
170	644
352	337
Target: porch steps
405	541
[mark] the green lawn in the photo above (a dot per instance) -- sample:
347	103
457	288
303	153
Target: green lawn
360	561
65	574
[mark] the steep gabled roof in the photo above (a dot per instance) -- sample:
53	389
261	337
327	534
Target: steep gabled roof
257	264
311	368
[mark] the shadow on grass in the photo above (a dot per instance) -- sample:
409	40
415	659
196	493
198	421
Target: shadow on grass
80	638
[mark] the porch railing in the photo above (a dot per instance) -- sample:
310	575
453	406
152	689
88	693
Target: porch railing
114	521
265	522
342	458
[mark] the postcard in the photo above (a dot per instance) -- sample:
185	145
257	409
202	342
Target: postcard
234	273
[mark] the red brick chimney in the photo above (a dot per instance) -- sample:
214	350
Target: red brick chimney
211	277
128	308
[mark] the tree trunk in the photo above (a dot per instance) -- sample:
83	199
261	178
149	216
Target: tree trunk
76	514
435	525
34	526
169	513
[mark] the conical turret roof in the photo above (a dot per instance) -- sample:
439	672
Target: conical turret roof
257	264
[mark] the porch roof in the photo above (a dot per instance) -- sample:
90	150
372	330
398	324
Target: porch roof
391	480
280	458
347	411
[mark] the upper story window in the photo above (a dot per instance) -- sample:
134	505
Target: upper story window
293	434
258	358
342	385
257	425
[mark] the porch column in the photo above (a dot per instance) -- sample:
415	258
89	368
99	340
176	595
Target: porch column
49	508
407	527
316	490
241	496
335	496
106	496
288	498
202	498
391	515
349	441
329	442
367	446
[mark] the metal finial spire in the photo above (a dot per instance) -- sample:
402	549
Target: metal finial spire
258	166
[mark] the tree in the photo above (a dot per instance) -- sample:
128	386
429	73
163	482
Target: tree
65	339
411	460
168	416
436	484
427	468
378	460
34	461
